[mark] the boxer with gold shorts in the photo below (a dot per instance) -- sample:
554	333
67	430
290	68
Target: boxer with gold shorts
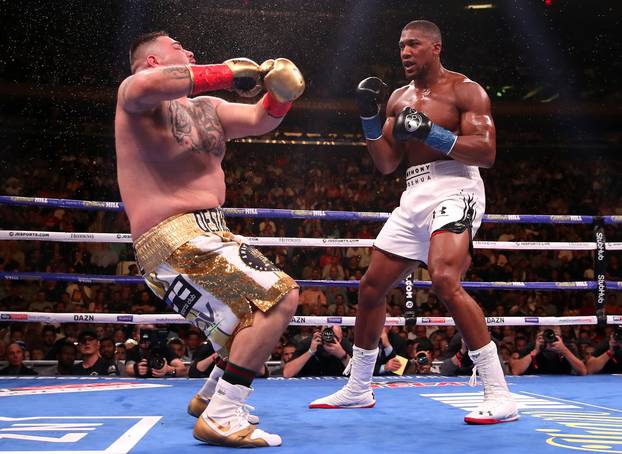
170	143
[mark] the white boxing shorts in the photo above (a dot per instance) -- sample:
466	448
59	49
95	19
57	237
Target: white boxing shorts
439	196
208	275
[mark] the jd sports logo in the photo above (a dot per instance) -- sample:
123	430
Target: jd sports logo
182	296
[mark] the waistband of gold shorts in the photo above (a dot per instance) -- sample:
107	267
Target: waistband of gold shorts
157	244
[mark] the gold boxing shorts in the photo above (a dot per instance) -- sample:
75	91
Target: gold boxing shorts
209	275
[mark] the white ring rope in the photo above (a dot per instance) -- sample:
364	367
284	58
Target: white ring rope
297	320
86	237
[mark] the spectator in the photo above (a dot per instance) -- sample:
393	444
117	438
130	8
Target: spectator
326	353
48	336
179	348
549	355
389	346
92	362
66	357
607	357
15	357
204	360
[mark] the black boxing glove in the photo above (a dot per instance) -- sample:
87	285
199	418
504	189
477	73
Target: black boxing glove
414	125
369	94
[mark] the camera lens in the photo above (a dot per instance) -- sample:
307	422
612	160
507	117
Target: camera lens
549	336
328	336
422	358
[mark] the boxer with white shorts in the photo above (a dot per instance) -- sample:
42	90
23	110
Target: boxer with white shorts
441	123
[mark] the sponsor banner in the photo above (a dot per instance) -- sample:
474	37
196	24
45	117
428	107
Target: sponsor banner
20	317
298	320
125	318
434	320
336	320
534	320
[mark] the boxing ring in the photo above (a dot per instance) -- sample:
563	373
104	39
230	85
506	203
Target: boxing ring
413	413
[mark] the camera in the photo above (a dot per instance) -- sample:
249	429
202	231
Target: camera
549	336
617	334
328	336
421	358
158	348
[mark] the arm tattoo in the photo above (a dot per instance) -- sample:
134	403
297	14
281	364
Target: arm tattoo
197	127
177	72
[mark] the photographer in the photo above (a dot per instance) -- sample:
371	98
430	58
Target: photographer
421	361
326	353
549	355
607	358
153	357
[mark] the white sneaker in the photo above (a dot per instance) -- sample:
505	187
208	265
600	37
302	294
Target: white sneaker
225	421
493	411
345	398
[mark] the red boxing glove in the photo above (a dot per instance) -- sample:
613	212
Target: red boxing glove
275	108
210	78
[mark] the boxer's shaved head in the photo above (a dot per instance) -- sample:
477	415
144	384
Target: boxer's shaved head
427	27
140	44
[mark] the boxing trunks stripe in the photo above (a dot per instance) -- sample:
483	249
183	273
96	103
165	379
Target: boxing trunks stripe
439	196
208	275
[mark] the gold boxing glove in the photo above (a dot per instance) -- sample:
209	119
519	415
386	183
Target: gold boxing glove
283	79
246	76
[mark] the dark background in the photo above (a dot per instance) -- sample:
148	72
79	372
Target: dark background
552	72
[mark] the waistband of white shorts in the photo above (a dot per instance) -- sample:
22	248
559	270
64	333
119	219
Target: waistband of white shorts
424	173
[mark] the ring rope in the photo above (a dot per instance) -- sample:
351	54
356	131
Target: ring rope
297	320
121	279
87	237
310	214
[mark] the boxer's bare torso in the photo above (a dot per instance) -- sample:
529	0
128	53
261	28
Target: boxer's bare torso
169	160
441	102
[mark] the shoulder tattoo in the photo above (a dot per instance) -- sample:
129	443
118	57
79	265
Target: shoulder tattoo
195	125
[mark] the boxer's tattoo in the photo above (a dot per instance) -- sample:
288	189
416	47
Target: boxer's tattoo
196	126
177	72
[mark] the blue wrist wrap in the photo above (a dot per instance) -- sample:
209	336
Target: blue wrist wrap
441	139
372	127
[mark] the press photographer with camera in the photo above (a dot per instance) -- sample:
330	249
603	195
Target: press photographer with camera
420	363
607	358
152	357
549	355
325	353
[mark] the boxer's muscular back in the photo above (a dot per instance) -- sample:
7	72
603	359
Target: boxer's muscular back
169	160
439	103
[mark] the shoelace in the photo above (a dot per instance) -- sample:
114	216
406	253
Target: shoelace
473	379
244	410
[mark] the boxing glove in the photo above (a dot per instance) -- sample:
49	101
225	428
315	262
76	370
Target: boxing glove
414	125
369	94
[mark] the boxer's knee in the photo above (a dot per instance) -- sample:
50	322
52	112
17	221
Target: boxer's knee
371	291
445	283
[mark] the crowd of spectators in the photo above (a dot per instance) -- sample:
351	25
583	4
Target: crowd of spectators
282	179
